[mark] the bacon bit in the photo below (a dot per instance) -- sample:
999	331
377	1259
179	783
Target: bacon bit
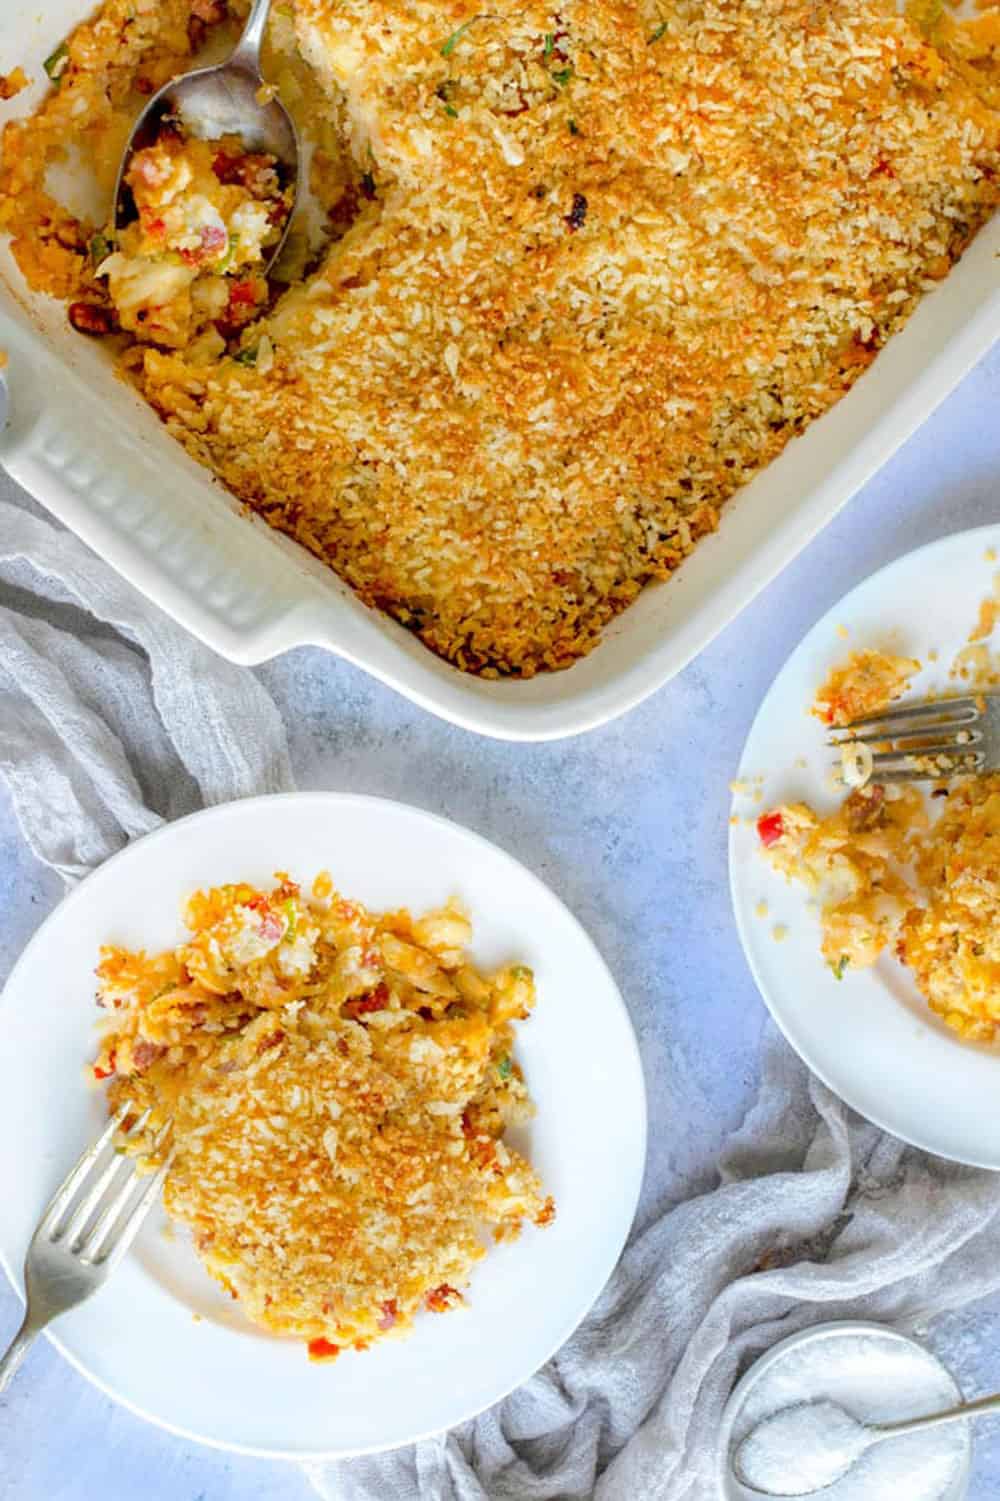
145	1054
442	1298
865	808
156	226
770	828
547	1213
254	170
375	1000
106	1073
92	318
272	927
12	83
222	165
213	238
882	169
243	294
390	1313
270	1041
144	85
322	1349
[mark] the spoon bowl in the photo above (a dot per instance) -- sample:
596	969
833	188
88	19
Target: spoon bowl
229	98
825	1440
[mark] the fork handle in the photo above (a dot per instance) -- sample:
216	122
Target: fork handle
20	1345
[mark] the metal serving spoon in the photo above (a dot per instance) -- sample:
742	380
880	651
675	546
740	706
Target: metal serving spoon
837	1442
217	101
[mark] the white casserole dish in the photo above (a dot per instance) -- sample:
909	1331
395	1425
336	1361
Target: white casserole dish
97	457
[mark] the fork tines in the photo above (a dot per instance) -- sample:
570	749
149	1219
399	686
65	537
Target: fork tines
100	1206
920	741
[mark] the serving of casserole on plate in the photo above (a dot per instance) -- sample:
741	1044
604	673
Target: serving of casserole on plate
869	914
335	1087
348	1077
563	283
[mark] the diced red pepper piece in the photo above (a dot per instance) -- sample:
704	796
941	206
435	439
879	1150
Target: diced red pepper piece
440	1299
106	1073
322	1349
770	828
244	292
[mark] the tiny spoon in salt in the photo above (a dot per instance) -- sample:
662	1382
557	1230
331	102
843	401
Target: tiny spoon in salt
826	1442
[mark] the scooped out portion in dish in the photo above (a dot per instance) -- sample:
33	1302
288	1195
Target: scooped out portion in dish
568	276
893	870
339	1085
189	266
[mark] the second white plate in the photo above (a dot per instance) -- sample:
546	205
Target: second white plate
161	1337
871	1037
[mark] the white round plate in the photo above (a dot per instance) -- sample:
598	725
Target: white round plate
871	1037
161	1337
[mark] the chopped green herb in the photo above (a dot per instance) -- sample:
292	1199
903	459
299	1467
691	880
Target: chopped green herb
550	45
574	129
450	109
291	912
100	248
456	36
562	76
840	966
227	259
655	36
246	356
520	972
55	63
504	1067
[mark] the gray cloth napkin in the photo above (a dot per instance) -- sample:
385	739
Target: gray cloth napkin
113	719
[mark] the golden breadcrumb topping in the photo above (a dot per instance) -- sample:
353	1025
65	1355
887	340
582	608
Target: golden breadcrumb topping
602	261
339	1085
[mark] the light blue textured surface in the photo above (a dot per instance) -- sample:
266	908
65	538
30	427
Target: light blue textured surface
629	826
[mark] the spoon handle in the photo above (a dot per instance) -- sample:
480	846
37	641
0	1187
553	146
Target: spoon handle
246	53
977	1409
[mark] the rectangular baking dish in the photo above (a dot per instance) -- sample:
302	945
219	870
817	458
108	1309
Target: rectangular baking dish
85	445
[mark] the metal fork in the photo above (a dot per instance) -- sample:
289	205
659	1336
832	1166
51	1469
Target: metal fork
930	741
92	1220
